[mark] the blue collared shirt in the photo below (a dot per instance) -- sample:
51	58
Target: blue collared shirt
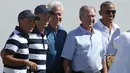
108	36
56	42
85	49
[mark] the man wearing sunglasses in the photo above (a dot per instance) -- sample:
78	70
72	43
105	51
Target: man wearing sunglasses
37	39
107	27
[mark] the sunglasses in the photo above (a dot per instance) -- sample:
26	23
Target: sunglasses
31	21
52	12
110	11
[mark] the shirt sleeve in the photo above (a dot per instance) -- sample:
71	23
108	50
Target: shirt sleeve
69	47
118	41
12	44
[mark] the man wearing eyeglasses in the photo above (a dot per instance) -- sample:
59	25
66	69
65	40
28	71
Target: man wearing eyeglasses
106	26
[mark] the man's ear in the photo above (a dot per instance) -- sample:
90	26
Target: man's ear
80	17
100	13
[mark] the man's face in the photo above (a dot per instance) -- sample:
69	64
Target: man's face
108	13
88	18
28	24
57	17
44	20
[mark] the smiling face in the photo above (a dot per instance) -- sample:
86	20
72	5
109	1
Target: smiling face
108	13
31	24
57	17
44	20
27	25
87	16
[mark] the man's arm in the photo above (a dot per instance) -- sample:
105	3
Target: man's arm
104	69
1	53
7	57
67	65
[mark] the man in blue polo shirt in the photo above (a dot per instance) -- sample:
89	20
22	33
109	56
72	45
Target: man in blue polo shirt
15	52
56	37
83	50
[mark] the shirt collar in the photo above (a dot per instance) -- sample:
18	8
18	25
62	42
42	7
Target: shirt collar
37	31
52	29
22	33
84	31
100	25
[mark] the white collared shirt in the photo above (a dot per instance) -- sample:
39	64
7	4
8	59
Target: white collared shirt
121	63
108	36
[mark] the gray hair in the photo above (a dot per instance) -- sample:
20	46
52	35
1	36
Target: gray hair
53	4
83	9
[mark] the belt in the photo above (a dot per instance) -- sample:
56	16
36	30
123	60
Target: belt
82	72
77	71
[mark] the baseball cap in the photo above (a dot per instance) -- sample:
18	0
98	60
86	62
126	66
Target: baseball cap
42	9
26	14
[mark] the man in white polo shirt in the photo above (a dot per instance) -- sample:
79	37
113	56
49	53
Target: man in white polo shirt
108	28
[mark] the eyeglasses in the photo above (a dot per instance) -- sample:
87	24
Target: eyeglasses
110	11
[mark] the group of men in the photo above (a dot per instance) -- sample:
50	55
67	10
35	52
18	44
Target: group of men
40	38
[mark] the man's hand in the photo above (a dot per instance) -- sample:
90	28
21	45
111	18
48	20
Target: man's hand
32	65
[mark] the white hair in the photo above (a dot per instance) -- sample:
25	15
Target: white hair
53	4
